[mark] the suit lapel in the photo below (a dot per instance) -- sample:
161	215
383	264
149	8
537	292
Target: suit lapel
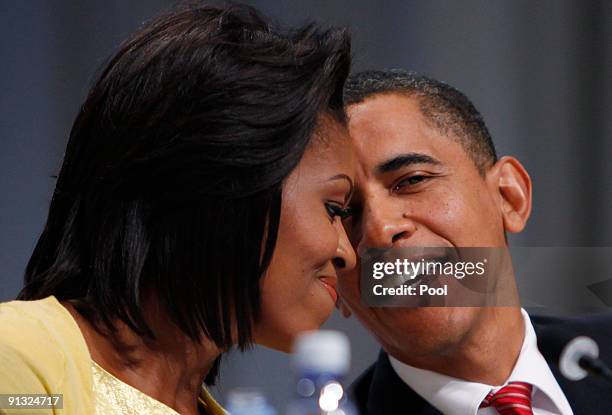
388	394
380	391
584	396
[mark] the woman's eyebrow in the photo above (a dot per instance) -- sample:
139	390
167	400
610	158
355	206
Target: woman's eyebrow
350	181
404	160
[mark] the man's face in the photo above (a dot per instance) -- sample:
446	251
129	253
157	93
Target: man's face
415	187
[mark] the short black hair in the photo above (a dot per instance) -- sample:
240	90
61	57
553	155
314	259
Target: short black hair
172	178
444	107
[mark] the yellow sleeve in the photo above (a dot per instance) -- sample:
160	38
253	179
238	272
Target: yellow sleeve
30	360
18	377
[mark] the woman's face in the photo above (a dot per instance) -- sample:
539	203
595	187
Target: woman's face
299	288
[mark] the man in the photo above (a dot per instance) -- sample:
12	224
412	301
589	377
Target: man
428	175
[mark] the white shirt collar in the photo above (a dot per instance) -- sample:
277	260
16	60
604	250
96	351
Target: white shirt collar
454	396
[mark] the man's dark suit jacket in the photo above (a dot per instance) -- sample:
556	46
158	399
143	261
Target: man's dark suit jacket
380	391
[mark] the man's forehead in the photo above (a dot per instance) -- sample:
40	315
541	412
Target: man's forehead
387	126
385	112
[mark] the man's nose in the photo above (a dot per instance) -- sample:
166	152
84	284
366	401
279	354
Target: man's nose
383	226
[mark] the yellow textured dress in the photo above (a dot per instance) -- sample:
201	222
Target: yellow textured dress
42	351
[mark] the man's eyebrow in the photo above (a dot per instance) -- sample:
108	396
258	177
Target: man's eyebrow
350	181
404	160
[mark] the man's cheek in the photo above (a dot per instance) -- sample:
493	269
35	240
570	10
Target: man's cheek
349	290
353	231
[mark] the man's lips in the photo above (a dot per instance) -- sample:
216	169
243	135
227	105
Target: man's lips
330	284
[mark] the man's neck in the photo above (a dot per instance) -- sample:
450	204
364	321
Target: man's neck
486	354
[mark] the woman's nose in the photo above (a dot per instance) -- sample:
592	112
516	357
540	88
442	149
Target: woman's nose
345	258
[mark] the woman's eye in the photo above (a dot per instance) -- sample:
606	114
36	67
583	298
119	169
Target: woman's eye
410	181
334	210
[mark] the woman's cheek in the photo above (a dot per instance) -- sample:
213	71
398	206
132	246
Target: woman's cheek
318	242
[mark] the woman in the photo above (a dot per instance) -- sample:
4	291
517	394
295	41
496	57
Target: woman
198	208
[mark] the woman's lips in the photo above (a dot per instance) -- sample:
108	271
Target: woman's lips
330	284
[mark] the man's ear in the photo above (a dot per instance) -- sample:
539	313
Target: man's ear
510	181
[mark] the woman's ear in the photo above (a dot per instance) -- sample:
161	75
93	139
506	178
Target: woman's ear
510	181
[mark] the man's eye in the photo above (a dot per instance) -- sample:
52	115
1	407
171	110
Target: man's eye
334	210
410	181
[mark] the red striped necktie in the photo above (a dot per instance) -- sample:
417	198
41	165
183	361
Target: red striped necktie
512	399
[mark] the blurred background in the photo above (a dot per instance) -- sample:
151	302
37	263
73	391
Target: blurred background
540	72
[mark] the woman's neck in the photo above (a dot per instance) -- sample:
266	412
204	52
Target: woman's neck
170	369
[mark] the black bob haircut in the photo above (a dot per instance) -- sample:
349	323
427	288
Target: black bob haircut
444	107
172	178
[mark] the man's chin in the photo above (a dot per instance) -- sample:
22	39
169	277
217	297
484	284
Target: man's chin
424	331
